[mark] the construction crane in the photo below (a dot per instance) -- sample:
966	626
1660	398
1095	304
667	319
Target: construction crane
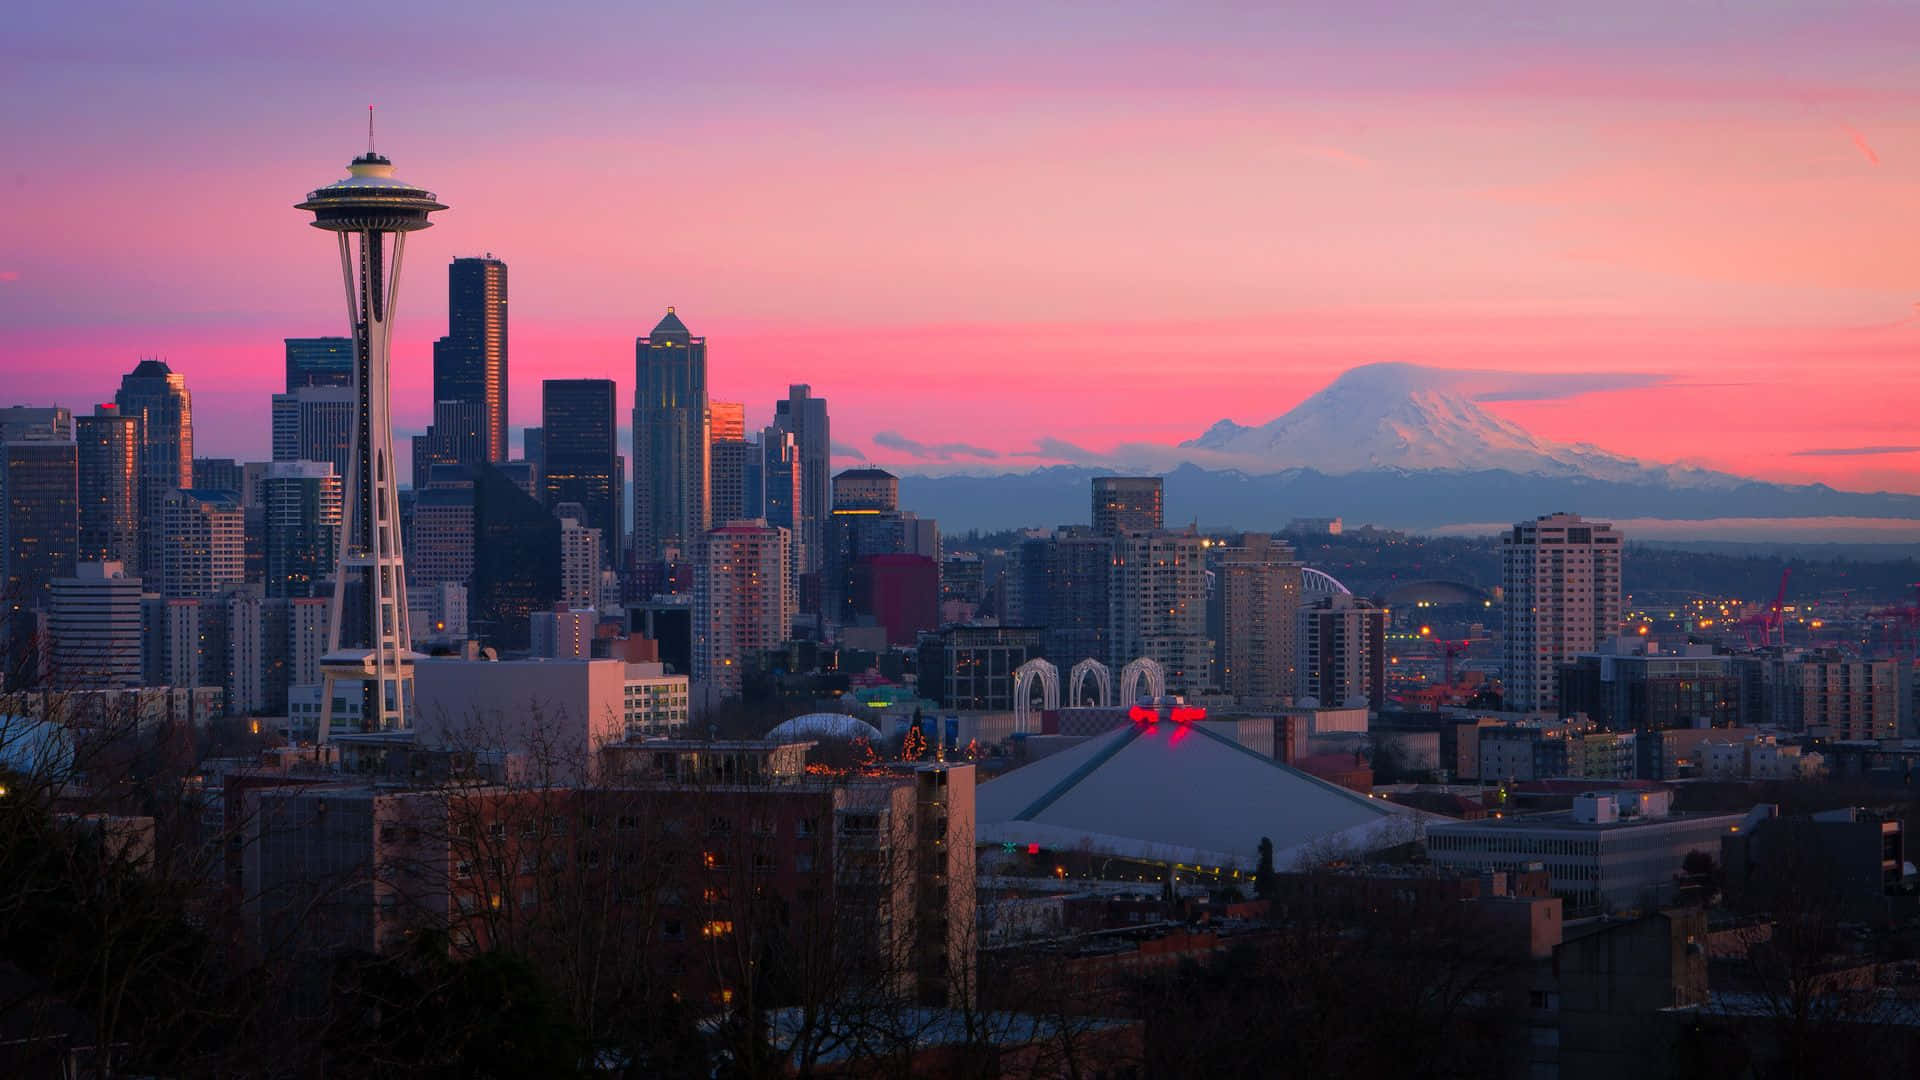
1904	623
1448	650
1773	619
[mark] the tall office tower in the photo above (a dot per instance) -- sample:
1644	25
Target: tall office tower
866	489
669	441
35	422
726	420
219	474
369	642
516	558
582	456
533	446
301	505
1561	575
158	399
457	436
315	423
109	489
39	514
205	542
1340	654
1064	583
581	558
727	479
742	603
1159	605
440	545
1257	602
1127	504
805	418
95	624
319	361
470	363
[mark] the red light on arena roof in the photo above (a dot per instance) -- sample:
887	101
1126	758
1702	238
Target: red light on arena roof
1033	849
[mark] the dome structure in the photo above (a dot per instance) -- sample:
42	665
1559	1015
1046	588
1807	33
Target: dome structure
825	725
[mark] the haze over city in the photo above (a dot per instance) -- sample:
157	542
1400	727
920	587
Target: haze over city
993	233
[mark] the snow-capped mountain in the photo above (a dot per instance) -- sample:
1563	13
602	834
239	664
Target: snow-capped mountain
1404	416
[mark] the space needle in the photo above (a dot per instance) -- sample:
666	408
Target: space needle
367	638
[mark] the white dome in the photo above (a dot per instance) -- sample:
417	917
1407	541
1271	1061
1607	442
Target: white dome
825	725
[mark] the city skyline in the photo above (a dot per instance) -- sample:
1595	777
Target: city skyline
1699	199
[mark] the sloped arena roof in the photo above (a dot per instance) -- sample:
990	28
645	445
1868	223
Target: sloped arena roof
1181	793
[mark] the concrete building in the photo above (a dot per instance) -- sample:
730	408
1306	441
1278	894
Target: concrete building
1561	575
581	556
1257	613
656	703
1757	757
1832	696
1123	504
205	543
548	716
1631	684
1610	853
565	633
742	602
95	622
900	593
315	423
1340	651
440	545
866	489
1158	606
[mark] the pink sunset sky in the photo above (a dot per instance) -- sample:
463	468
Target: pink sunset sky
1002	223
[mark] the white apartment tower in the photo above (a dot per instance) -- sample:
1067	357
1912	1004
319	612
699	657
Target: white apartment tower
742	602
1561	575
580	558
1158	605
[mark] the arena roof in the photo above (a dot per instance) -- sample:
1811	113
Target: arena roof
1181	793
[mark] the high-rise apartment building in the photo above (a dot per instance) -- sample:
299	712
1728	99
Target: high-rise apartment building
1127	504
204	543
866	489
670	470
158	398
109	488
1257	597
581	456
302	511
805	418
1561	574
319	361
1340	652
39	516
581	558
470	363
96	628
742	603
440	544
315	423
1158	599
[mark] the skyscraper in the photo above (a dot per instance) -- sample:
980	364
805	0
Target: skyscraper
726	420
742	603
369	642
470	363
727	479
204	542
1063	583
457	436
1561	575
1257	598
1127	504
109	489
319	361
315	423
96	630
158	399
219	474
670	470
302	510
805	418
581	558
516	558
581	454
39	517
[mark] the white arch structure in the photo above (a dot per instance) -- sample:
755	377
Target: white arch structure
1023	677
1102	681
1136	670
